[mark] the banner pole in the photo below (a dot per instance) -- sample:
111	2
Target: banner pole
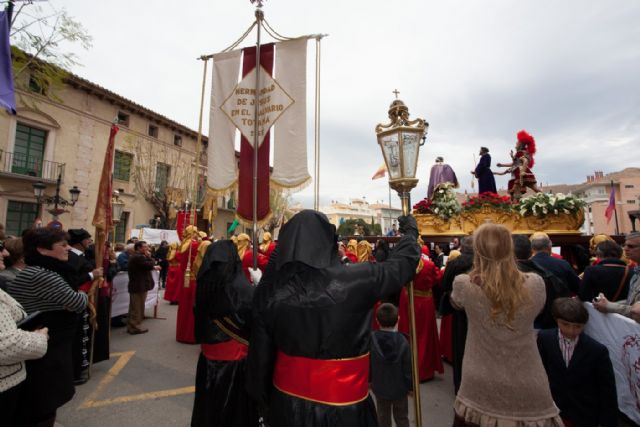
194	202
256	138
316	186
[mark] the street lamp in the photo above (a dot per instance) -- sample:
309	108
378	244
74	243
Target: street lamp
400	142
117	206
59	203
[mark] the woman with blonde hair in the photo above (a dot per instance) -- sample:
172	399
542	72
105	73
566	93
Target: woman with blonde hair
503	380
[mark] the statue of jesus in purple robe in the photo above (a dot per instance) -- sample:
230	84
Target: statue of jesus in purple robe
440	173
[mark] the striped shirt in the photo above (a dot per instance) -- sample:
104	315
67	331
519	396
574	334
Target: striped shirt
567	347
39	289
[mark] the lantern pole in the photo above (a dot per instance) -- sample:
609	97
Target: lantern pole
399	142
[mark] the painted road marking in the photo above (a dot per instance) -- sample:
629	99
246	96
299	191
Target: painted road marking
92	400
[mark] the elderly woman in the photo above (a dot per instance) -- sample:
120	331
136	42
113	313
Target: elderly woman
44	286
503	380
13	261
16	346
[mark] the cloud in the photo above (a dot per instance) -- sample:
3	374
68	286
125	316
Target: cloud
476	71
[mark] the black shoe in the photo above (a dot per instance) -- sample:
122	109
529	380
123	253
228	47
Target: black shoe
80	381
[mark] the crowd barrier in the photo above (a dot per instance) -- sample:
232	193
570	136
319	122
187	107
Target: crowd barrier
120	293
621	336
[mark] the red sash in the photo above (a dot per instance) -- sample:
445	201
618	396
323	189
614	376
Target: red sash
336	382
228	350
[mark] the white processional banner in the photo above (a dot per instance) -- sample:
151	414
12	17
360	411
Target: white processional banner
290	151
222	172
621	336
154	236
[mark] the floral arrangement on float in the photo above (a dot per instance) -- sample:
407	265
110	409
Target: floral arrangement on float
541	204
487	200
444	203
488	207
441	213
554	213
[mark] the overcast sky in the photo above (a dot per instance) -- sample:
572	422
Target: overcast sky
478	71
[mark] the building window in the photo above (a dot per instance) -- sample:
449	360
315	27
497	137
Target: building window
20	216
177	140
122	165
28	151
631	202
231	203
123	119
628	186
38	86
162	177
121	228
153	131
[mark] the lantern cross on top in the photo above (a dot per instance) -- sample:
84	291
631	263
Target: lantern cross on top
396	92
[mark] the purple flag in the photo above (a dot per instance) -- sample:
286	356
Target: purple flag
7	91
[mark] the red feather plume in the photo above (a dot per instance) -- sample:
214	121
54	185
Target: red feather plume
530	143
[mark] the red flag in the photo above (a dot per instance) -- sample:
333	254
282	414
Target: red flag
612	205
102	217
381	172
245	176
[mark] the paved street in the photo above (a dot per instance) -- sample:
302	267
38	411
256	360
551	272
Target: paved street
149	382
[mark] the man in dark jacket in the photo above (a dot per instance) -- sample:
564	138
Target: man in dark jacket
83	274
611	276
140	282
461	265
312	314
554	287
541	247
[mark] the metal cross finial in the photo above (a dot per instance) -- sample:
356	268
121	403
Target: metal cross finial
396	92
259	3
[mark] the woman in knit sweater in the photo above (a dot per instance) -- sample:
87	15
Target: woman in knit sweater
503	380
43	286
16	346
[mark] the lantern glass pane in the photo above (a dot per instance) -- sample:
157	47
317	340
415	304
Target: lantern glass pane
391	148
410	146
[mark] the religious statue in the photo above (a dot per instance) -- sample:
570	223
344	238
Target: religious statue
441	173
483	173
520	167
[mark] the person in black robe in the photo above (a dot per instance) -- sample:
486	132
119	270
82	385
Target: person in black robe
461	265
222	312
312	315
483	173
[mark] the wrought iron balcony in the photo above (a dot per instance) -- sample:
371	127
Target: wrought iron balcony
23	165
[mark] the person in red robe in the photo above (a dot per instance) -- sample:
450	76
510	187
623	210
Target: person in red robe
187	255
172	288
446	321
429	354
268	245
245	252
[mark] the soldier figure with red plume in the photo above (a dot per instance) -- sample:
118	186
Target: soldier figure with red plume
520	167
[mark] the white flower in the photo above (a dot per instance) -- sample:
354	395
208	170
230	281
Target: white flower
555	211
565	211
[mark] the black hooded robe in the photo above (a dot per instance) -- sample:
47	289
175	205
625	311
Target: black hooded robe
222	310
309	305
